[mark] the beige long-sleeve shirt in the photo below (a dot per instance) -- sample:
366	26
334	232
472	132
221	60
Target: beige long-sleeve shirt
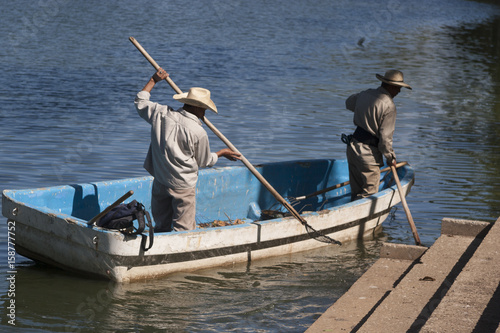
374	111
179	144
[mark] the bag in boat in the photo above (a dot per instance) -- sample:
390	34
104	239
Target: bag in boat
122	218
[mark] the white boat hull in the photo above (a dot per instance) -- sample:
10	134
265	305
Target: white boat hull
67	242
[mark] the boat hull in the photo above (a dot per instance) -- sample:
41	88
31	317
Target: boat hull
62	238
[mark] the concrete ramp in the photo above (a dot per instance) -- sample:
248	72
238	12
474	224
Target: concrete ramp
453	286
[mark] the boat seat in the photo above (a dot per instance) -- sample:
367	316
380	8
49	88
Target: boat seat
254	211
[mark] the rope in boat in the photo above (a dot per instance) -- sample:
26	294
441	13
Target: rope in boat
319	236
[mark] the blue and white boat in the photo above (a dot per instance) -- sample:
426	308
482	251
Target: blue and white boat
51	223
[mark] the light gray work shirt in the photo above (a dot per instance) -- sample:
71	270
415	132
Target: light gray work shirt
374	111
179	144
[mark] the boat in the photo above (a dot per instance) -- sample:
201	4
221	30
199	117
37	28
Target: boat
238	220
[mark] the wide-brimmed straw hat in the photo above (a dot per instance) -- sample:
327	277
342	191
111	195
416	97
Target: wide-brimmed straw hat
196	96
393	77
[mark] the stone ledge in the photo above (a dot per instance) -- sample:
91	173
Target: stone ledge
401	251
452	286
467	228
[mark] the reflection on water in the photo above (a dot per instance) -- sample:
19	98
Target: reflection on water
279	74
273	294
464	153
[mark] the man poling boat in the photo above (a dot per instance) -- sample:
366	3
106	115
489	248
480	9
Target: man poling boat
375	118
314	233
179	147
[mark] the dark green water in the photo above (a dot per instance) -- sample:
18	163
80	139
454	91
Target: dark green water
279	73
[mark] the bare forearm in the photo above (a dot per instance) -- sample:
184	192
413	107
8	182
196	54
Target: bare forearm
149	86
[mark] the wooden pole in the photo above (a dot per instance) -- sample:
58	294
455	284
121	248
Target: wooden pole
405	206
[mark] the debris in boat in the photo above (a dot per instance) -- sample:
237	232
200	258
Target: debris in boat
220	223
268	214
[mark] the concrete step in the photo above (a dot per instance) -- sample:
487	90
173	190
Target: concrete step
354	307
472	303
409	289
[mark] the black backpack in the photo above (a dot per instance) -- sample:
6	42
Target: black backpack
122	218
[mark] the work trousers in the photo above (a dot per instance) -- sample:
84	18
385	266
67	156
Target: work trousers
173	209
364	169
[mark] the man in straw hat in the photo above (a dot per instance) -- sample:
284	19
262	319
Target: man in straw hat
375	118
179	147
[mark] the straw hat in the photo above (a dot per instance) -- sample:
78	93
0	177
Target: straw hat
199	97
393	77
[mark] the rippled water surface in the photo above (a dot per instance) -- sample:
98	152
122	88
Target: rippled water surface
279	73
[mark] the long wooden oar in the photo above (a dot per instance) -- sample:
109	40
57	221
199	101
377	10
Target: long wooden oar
226	141
405	206
293	200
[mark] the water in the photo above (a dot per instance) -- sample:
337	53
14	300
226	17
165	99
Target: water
279	73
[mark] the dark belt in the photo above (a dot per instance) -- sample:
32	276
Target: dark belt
361	135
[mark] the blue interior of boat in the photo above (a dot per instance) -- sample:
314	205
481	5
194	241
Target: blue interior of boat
222	193
237	193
